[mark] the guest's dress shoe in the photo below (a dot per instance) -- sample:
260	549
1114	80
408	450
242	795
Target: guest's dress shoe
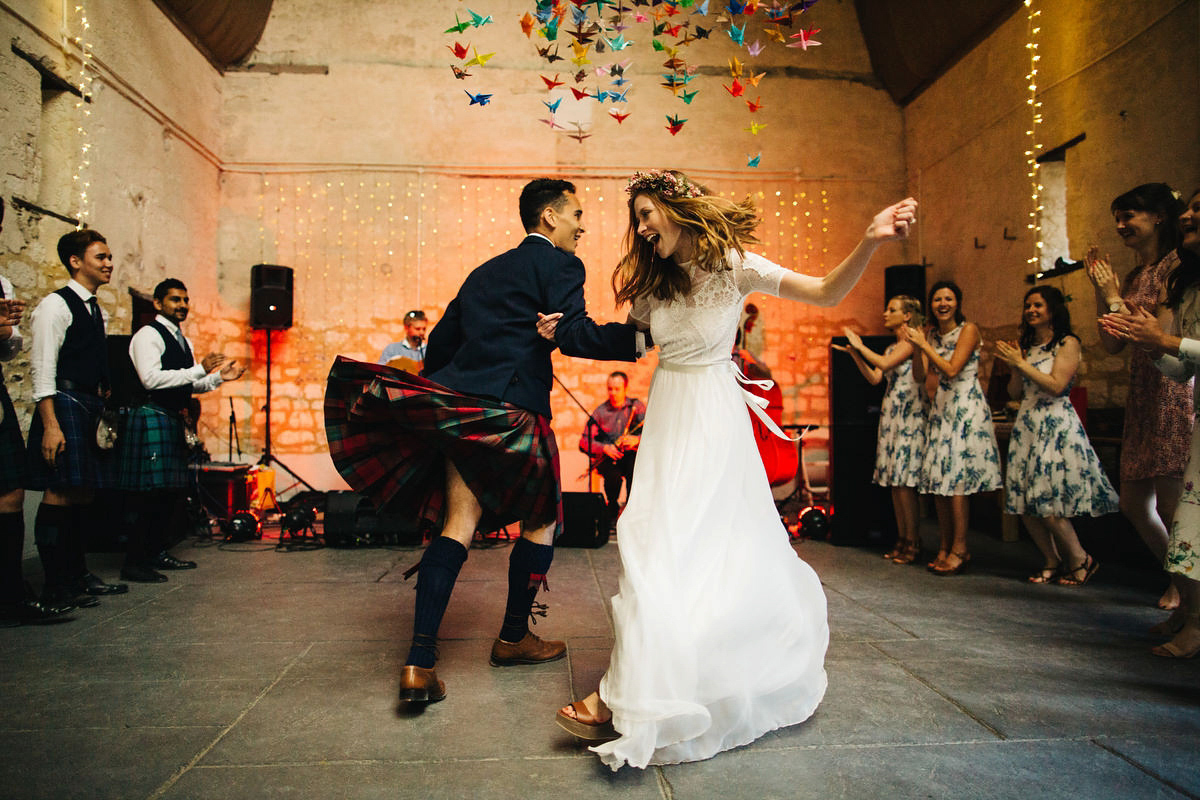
530	650
30	612
90	584
420	685
64	596
140	574
165	560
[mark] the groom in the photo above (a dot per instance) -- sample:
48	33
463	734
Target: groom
486	344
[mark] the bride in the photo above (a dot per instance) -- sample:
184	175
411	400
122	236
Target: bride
720	628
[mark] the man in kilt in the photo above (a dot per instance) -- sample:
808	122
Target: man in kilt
18	606
69	362
469	446
152	449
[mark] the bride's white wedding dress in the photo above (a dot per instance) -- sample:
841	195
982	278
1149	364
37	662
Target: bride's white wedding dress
720	628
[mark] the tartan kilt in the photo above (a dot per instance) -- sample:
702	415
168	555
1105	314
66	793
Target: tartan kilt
151	450
82	464
12	446
389	433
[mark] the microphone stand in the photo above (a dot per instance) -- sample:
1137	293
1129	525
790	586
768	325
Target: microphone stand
233	434
591	421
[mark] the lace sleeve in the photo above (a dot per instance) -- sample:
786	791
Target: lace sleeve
757	274
640	310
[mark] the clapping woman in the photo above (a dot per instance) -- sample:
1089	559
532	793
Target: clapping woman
961	457
1158	411
1179	357
1053	472
902	421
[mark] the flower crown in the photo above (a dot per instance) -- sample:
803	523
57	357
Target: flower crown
662	182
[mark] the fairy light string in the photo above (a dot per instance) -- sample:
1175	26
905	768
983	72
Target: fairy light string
81	179
1034	146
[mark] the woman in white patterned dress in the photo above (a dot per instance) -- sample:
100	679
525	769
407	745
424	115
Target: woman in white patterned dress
961	457
902	422
1053	472
1178	357
720	628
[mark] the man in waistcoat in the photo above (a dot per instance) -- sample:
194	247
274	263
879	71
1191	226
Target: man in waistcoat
69	363
152	452
18	606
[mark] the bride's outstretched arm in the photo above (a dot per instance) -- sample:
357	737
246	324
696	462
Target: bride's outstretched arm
890	224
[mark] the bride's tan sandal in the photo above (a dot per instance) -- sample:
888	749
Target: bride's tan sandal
584	725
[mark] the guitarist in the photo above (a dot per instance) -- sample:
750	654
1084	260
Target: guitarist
611	439
408	354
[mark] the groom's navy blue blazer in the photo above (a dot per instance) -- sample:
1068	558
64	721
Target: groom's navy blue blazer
487	341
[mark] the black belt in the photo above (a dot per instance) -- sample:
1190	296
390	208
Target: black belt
64	385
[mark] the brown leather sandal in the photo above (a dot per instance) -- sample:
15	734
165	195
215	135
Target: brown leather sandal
585	726
1046	574
1088	568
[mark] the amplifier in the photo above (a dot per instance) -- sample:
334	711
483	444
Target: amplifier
224	488
585	520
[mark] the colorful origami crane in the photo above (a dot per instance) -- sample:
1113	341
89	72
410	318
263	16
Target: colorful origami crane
477	20
478	60
805	38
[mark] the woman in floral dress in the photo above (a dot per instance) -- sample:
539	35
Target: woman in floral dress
902	421
1158	411
1179	357
1053	472
961	457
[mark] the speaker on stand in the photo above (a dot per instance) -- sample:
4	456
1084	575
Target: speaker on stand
270	297
906	279
271	292
862	511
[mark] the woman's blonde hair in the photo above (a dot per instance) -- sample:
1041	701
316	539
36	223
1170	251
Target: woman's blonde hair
716	226
910	305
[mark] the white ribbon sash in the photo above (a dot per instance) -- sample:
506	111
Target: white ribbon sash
756	404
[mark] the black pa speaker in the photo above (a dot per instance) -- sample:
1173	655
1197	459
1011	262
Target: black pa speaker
585	520
862	511
270	297
351	520
124	384
906	279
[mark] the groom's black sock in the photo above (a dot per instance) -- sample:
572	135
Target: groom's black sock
528	564
435	581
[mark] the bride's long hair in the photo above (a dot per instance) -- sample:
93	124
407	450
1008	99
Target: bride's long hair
715	225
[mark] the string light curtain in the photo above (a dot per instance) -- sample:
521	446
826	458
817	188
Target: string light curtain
369	245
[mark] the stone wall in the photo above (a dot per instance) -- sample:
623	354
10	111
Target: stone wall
390	187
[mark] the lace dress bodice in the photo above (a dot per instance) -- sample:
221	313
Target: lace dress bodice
700	328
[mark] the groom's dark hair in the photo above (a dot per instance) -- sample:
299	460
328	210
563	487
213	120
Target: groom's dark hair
539	193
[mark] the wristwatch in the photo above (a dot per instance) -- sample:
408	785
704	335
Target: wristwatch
1115	305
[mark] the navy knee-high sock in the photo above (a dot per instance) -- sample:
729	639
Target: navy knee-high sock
435	581
12	549
50	532
528	564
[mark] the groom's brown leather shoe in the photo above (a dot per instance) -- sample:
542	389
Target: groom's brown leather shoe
530	650
420	685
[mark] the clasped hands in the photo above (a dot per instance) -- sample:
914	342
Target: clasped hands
231	370
1137	325
10	311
